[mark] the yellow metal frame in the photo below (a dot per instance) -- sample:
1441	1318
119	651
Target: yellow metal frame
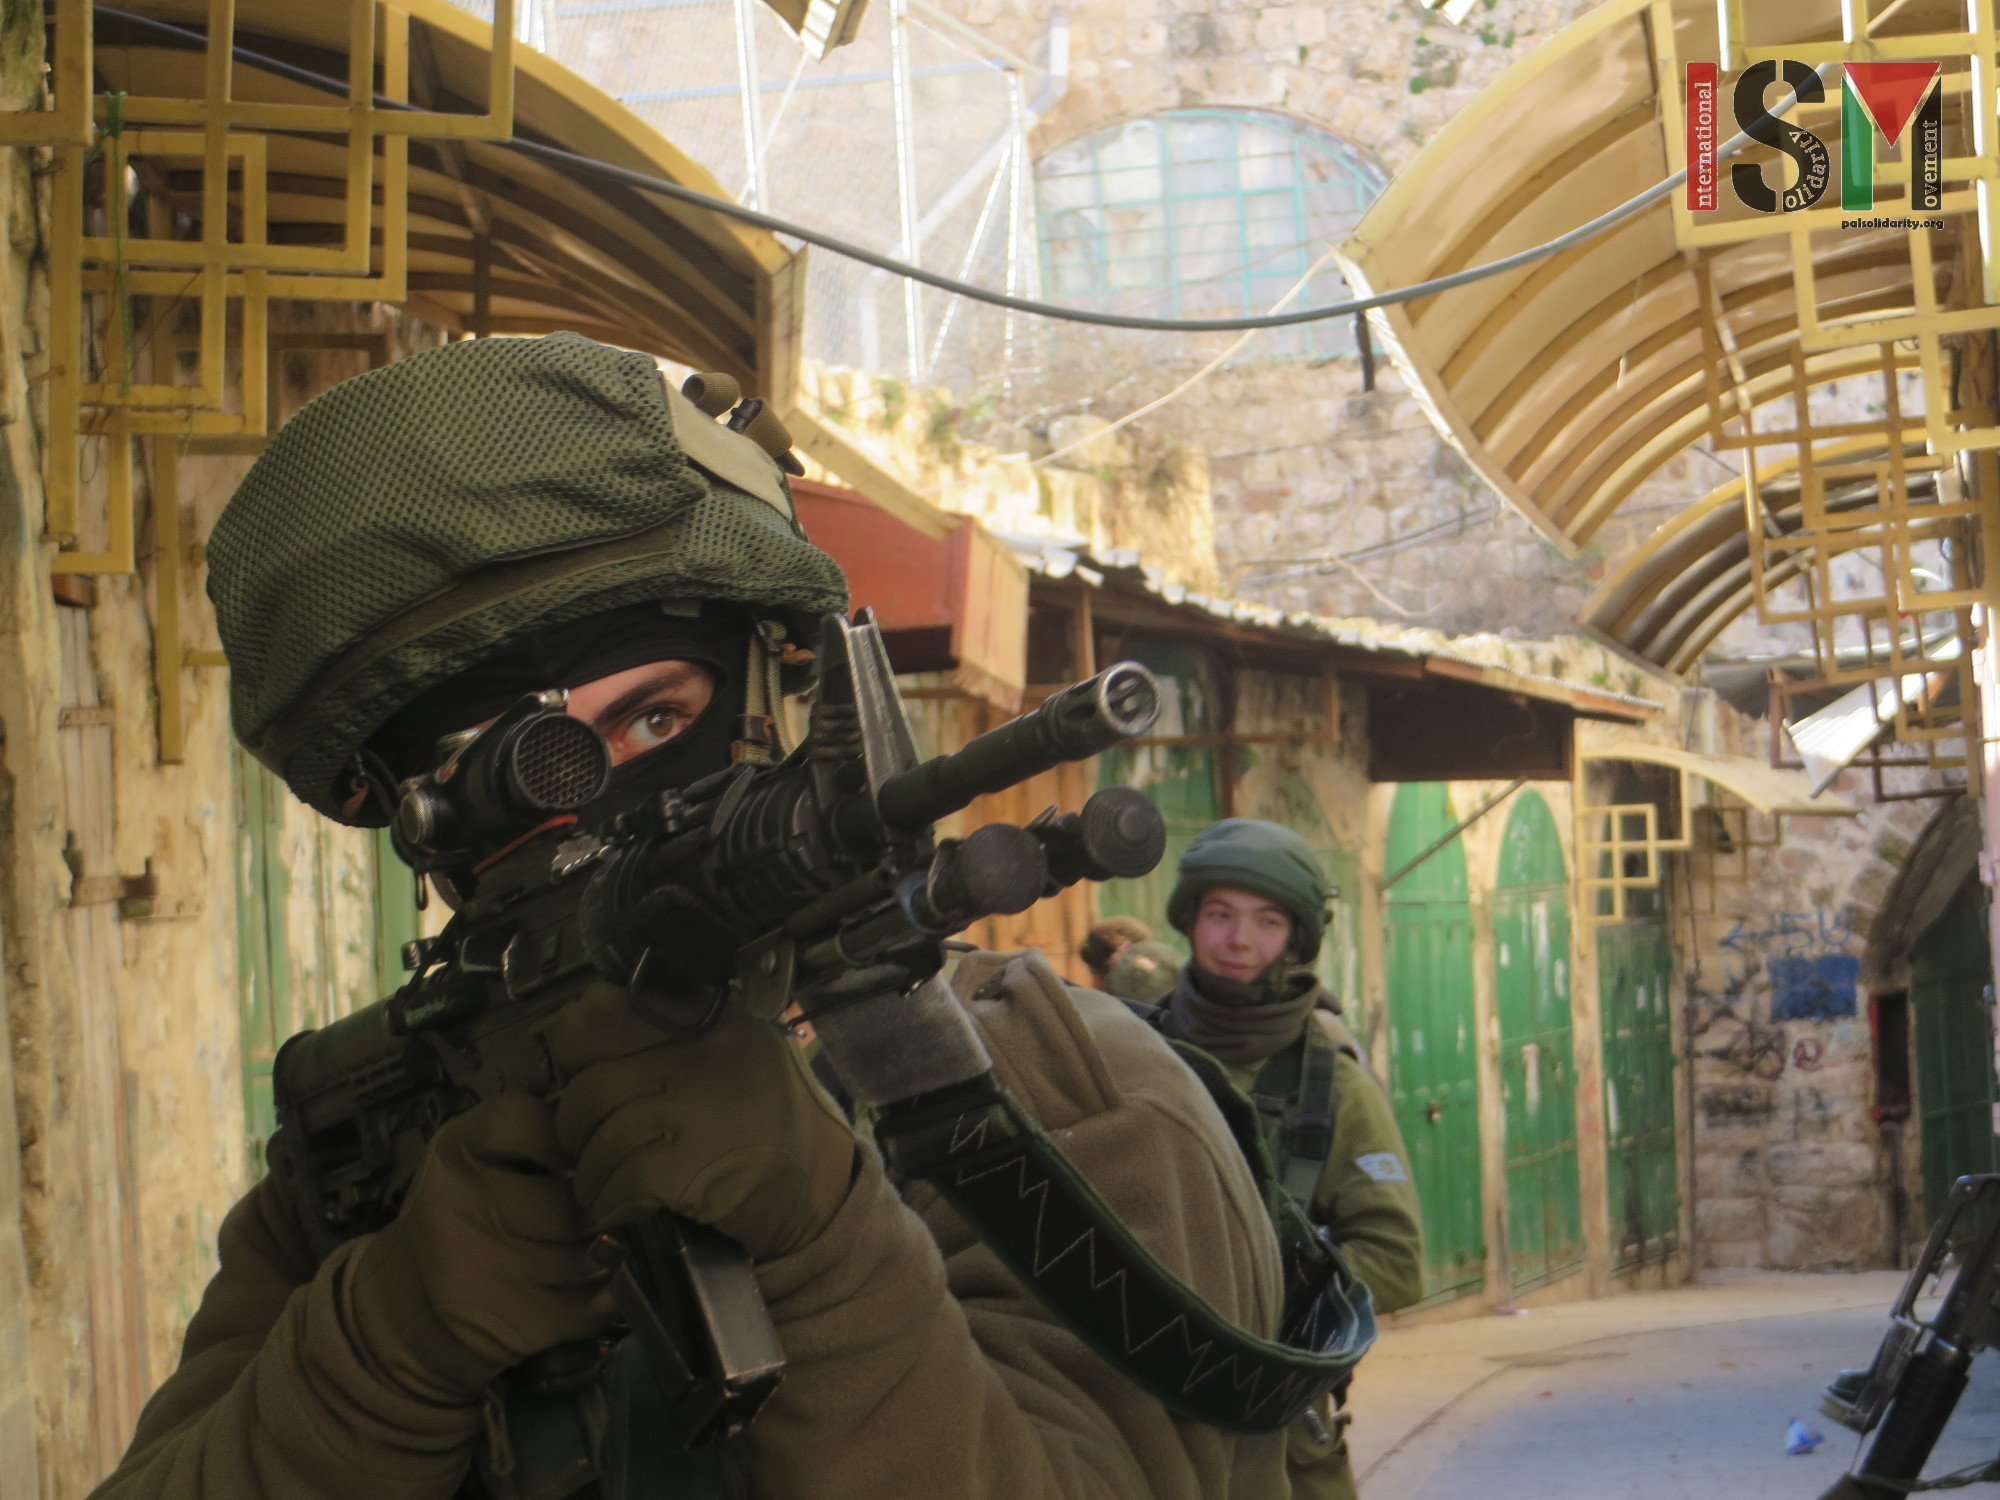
1962	507
1620	846
1610	834
90	274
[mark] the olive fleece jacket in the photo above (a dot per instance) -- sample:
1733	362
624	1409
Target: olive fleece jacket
918	1366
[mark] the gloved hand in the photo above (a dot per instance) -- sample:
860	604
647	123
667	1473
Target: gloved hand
727	1130
487	1263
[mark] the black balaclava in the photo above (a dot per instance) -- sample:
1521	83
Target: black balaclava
583	651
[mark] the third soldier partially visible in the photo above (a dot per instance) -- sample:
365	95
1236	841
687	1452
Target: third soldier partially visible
1126	960
1253	904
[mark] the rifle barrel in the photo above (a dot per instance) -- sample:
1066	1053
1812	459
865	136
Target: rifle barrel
1084	719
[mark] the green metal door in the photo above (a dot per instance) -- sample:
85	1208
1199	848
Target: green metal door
267	1012
322	913
1634	972
1432	1081
1537	1067
1180	779
1950	971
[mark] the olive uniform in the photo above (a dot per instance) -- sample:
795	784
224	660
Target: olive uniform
1328	1122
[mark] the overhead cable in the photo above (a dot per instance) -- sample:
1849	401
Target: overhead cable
588	166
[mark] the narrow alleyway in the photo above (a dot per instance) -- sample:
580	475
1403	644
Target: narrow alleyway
1679	1395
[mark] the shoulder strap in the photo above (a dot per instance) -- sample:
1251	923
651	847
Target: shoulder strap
1048	1226
1309	1140
1295	1095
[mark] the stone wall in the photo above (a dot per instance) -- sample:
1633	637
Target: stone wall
1790	1170
1328	497
125	1023
1111	492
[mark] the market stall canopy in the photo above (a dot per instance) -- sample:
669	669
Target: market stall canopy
1570	382
1666	601
498	242
1787	794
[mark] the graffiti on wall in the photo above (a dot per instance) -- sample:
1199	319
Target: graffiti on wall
1812	977
1813	989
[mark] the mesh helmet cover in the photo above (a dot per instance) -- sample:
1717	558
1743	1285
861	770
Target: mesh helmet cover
444	493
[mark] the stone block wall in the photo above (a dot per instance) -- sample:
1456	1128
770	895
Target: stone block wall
1790	1171
1328	497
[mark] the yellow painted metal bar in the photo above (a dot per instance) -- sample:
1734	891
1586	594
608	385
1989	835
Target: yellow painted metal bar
117	555
354	258
60	479
1930	47
395	160
167	651
305	260
1731	26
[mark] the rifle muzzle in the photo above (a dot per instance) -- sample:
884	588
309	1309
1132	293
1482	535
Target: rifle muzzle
1084	719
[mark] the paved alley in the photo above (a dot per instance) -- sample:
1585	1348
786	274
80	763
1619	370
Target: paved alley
1678	1395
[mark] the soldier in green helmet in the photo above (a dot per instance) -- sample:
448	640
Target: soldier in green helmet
1252	901
416	550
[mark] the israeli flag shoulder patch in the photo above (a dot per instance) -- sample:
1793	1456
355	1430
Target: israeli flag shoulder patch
1383	1166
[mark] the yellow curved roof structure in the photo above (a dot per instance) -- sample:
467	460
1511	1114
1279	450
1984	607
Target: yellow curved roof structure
497	242
1570	382
1668	600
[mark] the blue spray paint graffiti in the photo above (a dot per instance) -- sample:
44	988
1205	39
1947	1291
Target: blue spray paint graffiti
1813	989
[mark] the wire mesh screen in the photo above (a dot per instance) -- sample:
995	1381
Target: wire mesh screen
824	145
1204	213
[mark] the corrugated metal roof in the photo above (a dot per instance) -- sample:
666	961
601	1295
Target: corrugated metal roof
1468	658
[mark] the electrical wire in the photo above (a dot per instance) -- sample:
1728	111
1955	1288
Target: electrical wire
589	166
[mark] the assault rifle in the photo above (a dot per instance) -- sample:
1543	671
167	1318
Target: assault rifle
813	888
812	882
1907	1395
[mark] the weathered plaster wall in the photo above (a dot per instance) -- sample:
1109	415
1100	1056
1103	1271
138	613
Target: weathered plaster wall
126	1044
1115	493
32	990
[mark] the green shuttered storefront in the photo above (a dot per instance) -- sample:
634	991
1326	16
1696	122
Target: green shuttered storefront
1432	1079
1531	955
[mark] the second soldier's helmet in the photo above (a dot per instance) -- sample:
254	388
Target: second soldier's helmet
1267	859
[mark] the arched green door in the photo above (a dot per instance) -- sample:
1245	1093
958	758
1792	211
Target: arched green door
1635	966
1950	969
1432	1081
1537	1068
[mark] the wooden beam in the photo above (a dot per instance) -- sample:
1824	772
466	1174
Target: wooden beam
827	445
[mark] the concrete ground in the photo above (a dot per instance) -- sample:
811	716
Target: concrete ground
1676	1395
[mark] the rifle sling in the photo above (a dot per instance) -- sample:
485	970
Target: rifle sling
1034	1210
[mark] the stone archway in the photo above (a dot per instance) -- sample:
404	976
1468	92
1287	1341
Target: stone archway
1940	859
